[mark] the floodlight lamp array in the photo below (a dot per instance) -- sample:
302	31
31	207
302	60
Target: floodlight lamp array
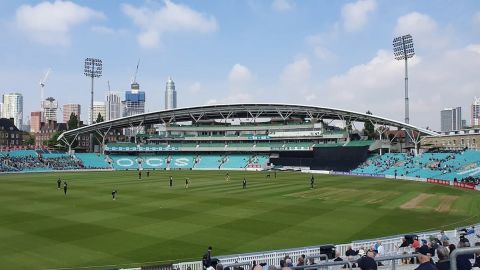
93	67
403	47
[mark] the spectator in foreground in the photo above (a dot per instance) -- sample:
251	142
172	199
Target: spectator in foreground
207	258
424	258
367	262
443	258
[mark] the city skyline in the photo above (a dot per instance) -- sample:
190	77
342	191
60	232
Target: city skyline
336	54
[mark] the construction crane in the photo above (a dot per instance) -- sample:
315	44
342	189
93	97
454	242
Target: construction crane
42	86
134	78
44	81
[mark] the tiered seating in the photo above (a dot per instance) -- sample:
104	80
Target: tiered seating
181	161
54	155
236	161
208	161
93	160
443	165
20	153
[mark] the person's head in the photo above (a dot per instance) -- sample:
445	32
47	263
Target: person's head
209	249
311	261
451	247
445	243
272	267
254	263
303	256
442	253
282	263
349	247
300	259
371	254
423	254
258	267
219	266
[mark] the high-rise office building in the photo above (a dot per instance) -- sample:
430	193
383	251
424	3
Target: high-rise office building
170	95
13	108
49	106
68	109
35	121
134	102
113	106
98	108
475	114
451	119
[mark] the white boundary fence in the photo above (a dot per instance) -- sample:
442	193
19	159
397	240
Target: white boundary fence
390	245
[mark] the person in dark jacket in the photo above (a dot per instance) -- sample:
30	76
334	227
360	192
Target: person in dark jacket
207	258
443	258
424	258
367	262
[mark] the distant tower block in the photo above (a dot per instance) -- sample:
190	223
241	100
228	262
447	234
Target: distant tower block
170	95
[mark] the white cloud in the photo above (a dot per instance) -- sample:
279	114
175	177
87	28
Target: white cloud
415	23
424	30
169	18
239	74
282	5
378	85
50	23
297	72
355	15
319	49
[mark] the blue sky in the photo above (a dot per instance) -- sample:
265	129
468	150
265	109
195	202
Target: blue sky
326	53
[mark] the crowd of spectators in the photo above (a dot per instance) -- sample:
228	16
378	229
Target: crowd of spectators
431	254
15	164
10	163
63	163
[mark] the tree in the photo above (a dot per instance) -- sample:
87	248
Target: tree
72	122
369	128
99	118
52	142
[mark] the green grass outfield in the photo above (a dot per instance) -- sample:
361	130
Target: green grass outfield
40	228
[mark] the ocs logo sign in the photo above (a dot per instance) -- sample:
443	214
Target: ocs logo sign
154	162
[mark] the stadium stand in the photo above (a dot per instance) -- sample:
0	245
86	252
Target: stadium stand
447	165
93	160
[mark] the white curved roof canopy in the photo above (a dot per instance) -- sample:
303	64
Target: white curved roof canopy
247	110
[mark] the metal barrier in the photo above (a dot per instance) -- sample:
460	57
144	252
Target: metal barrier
461	251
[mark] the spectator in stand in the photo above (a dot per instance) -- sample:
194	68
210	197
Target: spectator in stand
463	261
477	256
367	262
443	237
350	252
416	244
443	258
219	266
337	257
207	258
424	258
300	261
451	247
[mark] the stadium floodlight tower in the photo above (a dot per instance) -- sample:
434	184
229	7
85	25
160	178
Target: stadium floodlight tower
93	69
403	49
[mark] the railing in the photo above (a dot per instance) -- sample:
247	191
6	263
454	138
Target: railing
461	251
